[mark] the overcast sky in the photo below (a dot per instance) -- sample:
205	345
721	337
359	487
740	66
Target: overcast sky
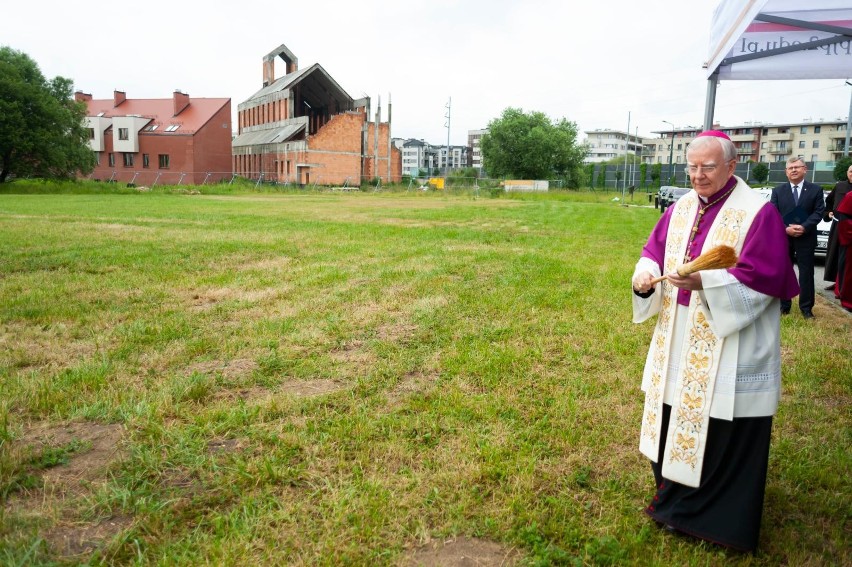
589	62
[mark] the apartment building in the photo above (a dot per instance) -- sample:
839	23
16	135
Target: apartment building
303	128
814	142
605	145
474	153
177	140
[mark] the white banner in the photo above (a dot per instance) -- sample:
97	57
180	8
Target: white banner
737	31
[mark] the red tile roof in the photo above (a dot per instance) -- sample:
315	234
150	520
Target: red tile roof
161	110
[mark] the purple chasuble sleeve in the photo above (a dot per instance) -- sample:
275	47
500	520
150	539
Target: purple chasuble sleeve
764	263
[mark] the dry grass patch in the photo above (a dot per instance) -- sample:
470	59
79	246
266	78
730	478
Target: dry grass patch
410	384
207	299
231	369
251	395
311	388
462	552
30	346
101	446
78	539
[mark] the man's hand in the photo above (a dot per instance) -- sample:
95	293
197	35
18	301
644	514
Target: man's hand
692	281
642	282
795	230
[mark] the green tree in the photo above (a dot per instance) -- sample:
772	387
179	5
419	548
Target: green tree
841	167
656	173
760	172
531	146
42	130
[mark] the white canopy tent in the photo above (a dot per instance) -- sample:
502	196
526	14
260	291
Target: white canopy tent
778	39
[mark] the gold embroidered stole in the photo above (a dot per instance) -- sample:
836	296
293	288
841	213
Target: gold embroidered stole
687	433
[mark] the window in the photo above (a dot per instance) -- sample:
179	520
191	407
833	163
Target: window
91	133
762	145
816	144
801	144
164	161
803	130
145	161
128	159
98	158
814	157
783	130
817	129
152	127
172	127
111	159
122	134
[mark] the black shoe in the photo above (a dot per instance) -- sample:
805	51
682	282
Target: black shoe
830	288
807	315
785	311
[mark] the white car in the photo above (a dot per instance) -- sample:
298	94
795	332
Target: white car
822	228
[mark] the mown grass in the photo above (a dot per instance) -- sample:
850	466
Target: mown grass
327	378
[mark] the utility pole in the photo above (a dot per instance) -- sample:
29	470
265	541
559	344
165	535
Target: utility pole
626	151
671	151
447	162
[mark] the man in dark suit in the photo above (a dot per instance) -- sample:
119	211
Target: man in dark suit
801	204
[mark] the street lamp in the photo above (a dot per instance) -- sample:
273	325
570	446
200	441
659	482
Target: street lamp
671	151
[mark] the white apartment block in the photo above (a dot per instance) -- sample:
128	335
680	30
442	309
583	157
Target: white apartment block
605	145
418	156
474	153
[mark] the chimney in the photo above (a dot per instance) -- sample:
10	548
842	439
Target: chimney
80	96
268	72
181	102
118	97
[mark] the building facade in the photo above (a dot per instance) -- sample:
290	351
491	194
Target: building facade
814	142
172	141
474	152
303	128
605	145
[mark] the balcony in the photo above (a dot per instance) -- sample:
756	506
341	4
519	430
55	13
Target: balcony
788	137
746	151
838	148
781	150
744	138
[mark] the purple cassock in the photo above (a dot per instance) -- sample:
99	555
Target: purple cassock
764	263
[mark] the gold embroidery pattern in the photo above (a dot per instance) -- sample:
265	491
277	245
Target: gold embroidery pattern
675	242
729	227
695	394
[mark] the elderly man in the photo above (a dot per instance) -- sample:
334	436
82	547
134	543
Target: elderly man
801	205
712	377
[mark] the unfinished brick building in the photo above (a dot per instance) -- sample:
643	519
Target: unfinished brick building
303	128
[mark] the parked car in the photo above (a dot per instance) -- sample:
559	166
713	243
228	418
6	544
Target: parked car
822	228
662	196
673	195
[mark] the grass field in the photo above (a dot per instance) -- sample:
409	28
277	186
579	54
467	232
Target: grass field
361	379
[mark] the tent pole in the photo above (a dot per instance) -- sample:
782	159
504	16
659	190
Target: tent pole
710	103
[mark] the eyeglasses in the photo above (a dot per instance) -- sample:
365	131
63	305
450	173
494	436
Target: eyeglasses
693	169
789	167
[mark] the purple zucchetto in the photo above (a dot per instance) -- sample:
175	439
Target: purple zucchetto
714	133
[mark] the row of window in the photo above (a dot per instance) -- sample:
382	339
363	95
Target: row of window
127	158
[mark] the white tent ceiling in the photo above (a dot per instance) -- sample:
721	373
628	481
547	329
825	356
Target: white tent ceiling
778	39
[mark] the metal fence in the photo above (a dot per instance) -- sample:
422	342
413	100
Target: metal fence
618	178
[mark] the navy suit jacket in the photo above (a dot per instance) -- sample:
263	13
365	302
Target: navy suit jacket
811	201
